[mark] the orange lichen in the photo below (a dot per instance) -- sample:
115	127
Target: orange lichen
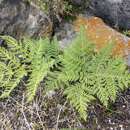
100	34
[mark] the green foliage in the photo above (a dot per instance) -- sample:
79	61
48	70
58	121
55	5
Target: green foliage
127	32
43	55
11	68
85	75
82	73
33	58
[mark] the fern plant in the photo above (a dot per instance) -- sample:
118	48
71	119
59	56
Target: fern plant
85	75
82	73
32	58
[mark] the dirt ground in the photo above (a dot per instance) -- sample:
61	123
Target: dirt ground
54	111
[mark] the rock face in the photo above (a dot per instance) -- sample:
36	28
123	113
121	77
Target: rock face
81	3
114	12
65	33
19	18
100	34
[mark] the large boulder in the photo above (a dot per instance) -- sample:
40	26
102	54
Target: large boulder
101	34
114	12
19	18
96	31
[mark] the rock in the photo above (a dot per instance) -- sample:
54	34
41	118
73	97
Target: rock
81	3
19	18
100	34
114	12
65	33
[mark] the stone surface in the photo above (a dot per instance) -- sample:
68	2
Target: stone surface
100	34
81	3
114	12
18	18
65	33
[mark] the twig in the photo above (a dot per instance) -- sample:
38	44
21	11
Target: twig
39	115
26	121
57	122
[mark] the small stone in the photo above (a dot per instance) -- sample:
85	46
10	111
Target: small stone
111	128
50	94
123	106
121	126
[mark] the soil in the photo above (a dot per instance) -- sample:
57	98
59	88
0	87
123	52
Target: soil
54	111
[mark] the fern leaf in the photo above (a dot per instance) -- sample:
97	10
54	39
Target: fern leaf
44	55
37	75
79	98
12	82
11	69
110	75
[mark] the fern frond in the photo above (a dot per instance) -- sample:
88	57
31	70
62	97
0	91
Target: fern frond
11	69
44	55
109	75
72	62
38	73
12	82
79	98
29	57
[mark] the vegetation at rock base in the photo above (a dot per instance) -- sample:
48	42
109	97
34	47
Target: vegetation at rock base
32	58
83	74
86	75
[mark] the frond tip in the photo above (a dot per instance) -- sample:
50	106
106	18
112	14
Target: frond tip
79	99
